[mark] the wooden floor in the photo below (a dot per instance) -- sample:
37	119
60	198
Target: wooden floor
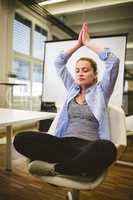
20	185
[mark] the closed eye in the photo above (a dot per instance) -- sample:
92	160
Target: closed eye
77	70
84	69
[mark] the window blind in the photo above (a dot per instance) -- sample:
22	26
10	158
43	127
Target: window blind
21	35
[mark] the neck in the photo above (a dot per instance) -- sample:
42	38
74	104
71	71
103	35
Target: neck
83	88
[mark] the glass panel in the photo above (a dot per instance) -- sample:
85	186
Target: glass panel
37	75
39	42
23	89
22	69
21	37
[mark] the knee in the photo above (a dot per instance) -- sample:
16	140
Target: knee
19	140
111	151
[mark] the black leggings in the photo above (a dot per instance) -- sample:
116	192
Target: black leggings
73	156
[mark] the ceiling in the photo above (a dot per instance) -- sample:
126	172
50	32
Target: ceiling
116	13
104	18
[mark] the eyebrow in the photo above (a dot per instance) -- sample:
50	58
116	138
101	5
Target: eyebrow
82	68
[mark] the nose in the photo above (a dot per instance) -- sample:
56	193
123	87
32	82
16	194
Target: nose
80	73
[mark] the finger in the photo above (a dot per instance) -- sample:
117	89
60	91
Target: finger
83	26
87	28
85	23
80	34
83	31
83	35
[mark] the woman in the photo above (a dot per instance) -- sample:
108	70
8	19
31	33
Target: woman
81	145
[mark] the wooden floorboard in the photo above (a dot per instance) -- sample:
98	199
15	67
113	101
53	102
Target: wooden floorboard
20	185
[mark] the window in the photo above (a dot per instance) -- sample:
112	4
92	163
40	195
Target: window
28	46
21	69
37	80
21	35
39	41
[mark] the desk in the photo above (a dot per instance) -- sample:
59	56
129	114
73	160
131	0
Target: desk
12	85
10	117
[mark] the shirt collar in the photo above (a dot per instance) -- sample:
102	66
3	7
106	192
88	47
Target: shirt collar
90	88
77	87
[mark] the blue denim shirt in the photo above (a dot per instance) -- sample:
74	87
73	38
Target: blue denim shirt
97	96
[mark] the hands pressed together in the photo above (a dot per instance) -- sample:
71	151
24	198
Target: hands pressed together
84	35
84	40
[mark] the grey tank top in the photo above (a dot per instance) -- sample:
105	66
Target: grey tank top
82	122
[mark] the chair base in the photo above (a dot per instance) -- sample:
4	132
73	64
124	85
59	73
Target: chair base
73	195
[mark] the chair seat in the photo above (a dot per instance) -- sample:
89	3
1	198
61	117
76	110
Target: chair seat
74	182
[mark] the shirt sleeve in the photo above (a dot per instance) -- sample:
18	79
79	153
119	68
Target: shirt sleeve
62	71
110	74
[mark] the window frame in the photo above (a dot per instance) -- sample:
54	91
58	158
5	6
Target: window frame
30	58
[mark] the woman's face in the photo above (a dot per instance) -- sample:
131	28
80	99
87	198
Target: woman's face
84	74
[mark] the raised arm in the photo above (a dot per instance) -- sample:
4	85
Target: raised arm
111	63
61	62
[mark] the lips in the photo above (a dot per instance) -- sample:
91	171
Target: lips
81	79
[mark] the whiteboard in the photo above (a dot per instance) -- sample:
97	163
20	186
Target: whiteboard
54	89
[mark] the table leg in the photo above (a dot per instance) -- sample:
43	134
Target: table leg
11	101
9	130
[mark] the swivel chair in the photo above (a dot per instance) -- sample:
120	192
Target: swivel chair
118	137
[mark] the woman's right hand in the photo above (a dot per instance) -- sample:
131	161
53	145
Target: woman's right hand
85	34
84	37
76	46
80	43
